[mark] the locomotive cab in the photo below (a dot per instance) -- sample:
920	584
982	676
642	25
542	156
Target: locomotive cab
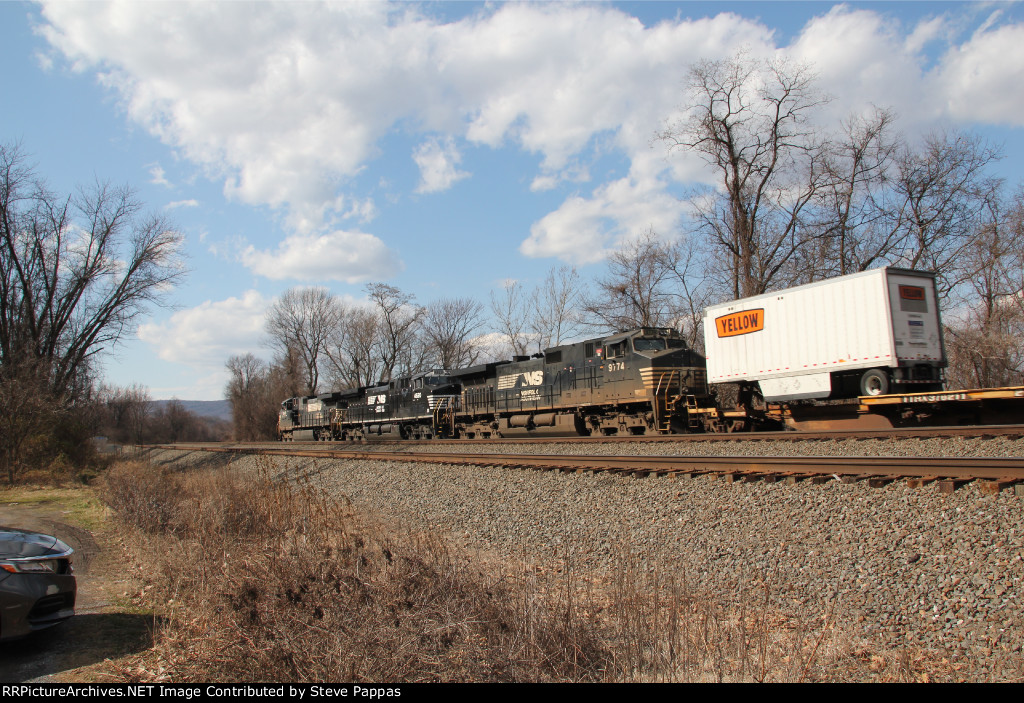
304	418
287	418
656	366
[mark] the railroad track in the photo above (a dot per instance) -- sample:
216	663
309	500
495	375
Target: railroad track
978	431
995	474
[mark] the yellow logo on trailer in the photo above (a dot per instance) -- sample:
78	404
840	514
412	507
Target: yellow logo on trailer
738	323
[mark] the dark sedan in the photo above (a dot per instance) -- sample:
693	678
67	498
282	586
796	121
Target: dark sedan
37	583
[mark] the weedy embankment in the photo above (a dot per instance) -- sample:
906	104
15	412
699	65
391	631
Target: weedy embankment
262	580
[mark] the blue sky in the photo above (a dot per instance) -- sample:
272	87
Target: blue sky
440	147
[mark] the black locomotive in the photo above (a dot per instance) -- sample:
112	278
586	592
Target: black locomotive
645	381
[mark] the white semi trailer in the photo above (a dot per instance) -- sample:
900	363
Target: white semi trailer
868	333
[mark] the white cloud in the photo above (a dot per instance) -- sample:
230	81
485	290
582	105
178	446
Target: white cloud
45	61
352	257
927	30
288	103
862	57
983	77
363	210
582	230
547	181
438	161
192	202
206	335
879	62
157	176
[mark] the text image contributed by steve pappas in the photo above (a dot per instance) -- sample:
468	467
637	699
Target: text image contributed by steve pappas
302	692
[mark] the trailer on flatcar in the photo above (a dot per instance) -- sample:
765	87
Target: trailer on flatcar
858	335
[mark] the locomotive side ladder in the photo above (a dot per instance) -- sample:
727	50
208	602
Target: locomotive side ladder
664	404
444	417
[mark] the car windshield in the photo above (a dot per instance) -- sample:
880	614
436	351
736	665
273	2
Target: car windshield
645	344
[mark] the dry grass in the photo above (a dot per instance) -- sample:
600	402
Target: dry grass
259	580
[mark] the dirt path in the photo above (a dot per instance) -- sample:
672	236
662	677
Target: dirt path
104	626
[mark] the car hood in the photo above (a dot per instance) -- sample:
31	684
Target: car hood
18	544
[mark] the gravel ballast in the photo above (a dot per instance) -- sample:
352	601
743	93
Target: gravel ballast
900	568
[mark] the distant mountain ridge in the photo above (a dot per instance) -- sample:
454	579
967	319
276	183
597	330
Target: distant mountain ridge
219	409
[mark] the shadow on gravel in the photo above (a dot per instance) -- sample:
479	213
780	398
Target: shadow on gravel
83	640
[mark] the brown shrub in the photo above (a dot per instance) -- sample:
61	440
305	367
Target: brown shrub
268	583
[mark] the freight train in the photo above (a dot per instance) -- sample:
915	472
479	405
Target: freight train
855	335
643	381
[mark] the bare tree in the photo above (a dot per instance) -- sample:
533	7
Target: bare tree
984	334
255	390
398	317
691	289
139	408
180	421
75	272
353	352
749	121
26	413
943	190
511	316
127	411
557	302
301	322
449	326
636	290
859	227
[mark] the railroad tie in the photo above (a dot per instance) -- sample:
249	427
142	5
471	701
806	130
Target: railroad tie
993	487
948	485
881	481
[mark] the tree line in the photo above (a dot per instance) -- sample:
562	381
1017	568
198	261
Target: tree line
129	415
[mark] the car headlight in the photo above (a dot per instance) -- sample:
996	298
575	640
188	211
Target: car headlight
47	566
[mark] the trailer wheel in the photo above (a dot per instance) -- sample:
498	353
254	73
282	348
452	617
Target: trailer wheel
874	382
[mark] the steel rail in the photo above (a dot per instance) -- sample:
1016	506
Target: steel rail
973	431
